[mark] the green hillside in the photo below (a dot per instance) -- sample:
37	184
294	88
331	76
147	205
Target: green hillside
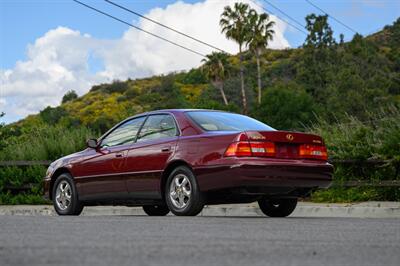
356	78
347	92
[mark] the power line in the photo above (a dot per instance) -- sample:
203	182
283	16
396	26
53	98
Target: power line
140	29
268	11
284	13
165	26
337	20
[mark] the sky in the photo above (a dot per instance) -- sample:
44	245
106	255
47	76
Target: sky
48	47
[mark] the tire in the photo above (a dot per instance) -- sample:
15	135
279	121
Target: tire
187	199
68	203
156	210
277	207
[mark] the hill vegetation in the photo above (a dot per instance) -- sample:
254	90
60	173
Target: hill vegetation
347	92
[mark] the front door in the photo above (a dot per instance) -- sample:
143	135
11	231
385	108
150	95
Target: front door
102	173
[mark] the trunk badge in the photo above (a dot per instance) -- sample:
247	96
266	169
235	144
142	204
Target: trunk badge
289	137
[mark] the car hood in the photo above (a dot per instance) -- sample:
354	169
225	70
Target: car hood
69	158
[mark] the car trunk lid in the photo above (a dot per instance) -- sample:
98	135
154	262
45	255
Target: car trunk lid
279	144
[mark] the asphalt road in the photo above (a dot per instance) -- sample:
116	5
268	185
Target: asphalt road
142	240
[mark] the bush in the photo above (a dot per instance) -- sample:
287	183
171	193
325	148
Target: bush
52	115
286	107
194	76
18	177
377	138
46	143
22	198
115	86
69	96
132	92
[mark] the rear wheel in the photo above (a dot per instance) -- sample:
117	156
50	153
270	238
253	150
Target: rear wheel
156	210
277	207
65	196
182	194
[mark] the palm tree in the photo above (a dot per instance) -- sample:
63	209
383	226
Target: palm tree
235	24
216	69
260	34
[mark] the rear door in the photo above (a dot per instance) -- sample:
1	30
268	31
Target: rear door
147	158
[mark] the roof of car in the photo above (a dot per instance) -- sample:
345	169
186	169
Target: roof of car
184	110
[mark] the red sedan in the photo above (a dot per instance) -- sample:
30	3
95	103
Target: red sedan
180	160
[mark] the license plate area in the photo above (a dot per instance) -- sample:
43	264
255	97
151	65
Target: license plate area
286	150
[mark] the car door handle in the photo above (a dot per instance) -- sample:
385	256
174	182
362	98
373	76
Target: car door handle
119	155
166	149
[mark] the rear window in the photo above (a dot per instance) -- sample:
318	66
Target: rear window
222	121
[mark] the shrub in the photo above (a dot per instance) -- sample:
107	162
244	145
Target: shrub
69	96
14	178
132	92
52	115
377	138
46	143
286	107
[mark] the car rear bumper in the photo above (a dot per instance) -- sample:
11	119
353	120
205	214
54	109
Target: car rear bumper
265	173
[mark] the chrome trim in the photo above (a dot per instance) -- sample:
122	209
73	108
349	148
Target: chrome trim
122	173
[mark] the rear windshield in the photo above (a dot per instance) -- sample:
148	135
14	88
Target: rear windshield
222	121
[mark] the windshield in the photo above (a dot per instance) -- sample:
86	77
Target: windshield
222	121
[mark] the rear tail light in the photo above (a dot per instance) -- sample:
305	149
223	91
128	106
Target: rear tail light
313	152
246	148
241	148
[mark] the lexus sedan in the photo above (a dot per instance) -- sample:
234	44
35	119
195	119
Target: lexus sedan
180	160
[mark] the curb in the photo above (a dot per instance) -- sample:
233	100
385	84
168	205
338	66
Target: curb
304	209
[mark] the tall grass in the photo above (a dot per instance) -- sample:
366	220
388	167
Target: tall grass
17	177
47	143
40	143
376	138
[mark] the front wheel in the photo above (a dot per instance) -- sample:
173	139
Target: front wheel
156	210
65	196
277	207
182	194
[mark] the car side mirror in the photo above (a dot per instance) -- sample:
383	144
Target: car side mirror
92	143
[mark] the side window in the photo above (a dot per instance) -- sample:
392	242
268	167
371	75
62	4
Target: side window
157	127
124	134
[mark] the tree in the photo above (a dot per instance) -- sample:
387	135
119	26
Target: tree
320	58
52	115
69	96
320	33
216	69
260	34
235	24
286	106
1	124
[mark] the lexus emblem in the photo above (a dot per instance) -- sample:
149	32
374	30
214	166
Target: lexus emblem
289	137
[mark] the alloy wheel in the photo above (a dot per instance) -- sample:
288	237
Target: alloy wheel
180	191
63	195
